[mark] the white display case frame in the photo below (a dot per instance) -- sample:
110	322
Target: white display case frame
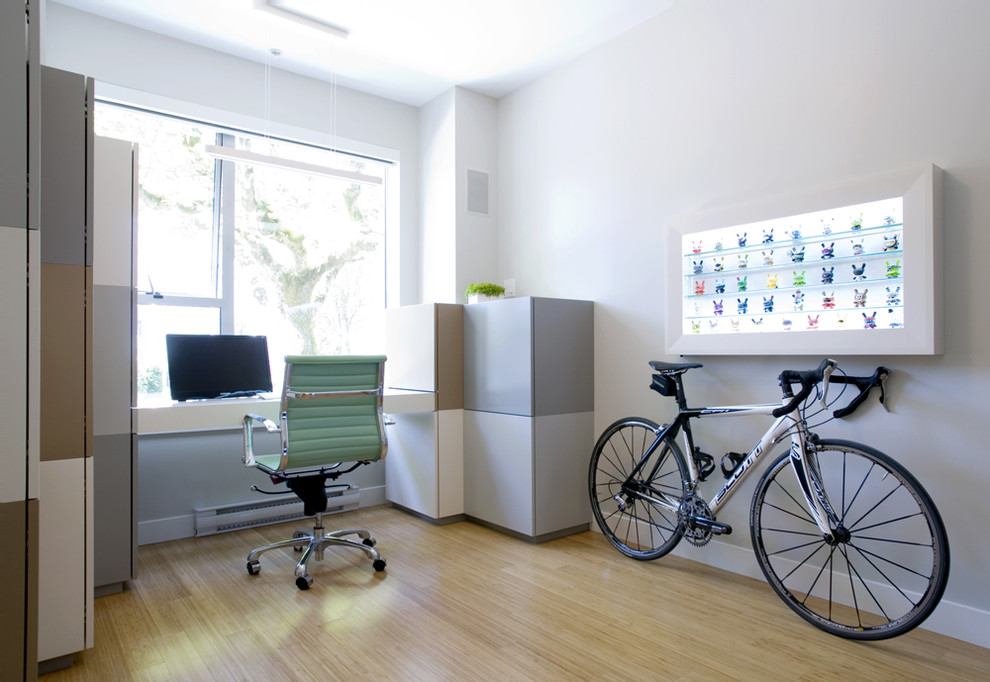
919	314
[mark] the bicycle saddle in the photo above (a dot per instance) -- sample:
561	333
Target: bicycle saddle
673	367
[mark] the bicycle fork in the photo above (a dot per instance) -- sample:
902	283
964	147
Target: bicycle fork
809	478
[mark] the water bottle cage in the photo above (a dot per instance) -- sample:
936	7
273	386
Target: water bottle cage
730	461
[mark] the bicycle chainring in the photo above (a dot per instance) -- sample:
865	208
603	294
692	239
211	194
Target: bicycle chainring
693	507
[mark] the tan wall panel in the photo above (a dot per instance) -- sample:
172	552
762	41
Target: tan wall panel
63	361
450	356
19	610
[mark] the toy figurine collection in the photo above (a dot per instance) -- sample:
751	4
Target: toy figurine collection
856	253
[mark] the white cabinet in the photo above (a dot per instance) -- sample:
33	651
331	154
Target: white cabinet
424	469
528	417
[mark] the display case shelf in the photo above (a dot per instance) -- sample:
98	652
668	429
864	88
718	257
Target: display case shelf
882	292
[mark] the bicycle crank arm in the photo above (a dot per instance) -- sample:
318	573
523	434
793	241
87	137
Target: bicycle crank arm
716	528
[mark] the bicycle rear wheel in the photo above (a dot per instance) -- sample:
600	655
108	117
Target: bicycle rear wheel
887	568
635	526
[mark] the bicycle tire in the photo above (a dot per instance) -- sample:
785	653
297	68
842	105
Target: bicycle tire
639	529
882	579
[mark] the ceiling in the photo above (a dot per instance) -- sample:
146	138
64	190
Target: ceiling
406	50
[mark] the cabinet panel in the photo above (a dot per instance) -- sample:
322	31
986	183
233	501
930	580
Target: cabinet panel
498	469
563	449
498	356
563	356
13	384
411	463
13	113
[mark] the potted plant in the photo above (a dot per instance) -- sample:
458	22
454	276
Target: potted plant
483	291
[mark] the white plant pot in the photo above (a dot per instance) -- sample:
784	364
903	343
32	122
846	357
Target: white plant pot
481	298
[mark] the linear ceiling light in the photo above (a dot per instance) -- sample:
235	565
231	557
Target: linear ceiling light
285	10
229	154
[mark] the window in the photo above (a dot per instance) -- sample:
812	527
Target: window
250	248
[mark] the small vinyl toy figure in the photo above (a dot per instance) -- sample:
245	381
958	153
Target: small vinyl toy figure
827	226
795	233
859	272
895	322
891	243
859	299
741	238
787	325
857	223
718	307
798	278
698	266
719	264
718	245
813	322
840	320
742	304
767	257
893	269
870	321
756	322
696	327
735	325
768	236
697	308
741	282
894	297
720	286
743	261
768	304
699	287
828	251
828	275
798	300
713	324
889	220
828	300
857	248
772	281
796	254
695	247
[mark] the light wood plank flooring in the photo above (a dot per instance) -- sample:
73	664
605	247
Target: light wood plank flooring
462	602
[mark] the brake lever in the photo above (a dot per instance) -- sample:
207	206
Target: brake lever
882	374
826	373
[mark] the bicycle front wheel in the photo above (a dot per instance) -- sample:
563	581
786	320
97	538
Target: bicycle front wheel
635	525
885	570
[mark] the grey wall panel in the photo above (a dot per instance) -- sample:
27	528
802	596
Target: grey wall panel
113	509
13	114
111	360
563	448
498	356
63	167
563	356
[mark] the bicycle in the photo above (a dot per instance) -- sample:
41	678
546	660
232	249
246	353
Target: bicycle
845	535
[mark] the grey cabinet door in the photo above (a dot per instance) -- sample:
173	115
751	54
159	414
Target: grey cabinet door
498	356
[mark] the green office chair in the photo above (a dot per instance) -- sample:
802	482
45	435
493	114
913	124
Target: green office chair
331	424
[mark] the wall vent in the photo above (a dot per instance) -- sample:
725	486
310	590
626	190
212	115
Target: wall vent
477	192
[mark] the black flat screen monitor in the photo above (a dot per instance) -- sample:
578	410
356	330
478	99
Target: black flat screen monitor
203	366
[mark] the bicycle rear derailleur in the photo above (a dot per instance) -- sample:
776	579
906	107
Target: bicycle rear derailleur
696	521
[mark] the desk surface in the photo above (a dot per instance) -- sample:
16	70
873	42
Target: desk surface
212	415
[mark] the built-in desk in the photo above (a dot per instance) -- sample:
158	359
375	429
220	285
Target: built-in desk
227	413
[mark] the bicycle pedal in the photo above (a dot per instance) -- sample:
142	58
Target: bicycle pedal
734	460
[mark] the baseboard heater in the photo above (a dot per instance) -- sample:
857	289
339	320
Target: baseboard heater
277	509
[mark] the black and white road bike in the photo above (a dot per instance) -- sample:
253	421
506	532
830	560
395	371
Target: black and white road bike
843	533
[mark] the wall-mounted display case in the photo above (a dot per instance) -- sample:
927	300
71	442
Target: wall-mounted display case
850	269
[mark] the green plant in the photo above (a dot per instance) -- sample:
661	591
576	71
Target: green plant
485	289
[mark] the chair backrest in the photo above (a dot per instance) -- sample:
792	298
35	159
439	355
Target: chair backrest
331	410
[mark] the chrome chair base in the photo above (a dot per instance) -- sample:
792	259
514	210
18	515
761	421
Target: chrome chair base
312	545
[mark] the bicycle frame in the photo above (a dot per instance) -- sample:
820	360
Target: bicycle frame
809	478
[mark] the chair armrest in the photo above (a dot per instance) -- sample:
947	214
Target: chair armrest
248	426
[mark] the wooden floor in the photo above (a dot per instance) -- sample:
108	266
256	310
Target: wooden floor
462	602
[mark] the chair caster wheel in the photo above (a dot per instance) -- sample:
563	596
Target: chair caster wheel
379	564
304	582
368	541
254	567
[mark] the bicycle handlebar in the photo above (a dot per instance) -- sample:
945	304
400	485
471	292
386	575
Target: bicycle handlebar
808	379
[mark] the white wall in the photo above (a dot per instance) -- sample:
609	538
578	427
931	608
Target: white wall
124	56
713	103
439	199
